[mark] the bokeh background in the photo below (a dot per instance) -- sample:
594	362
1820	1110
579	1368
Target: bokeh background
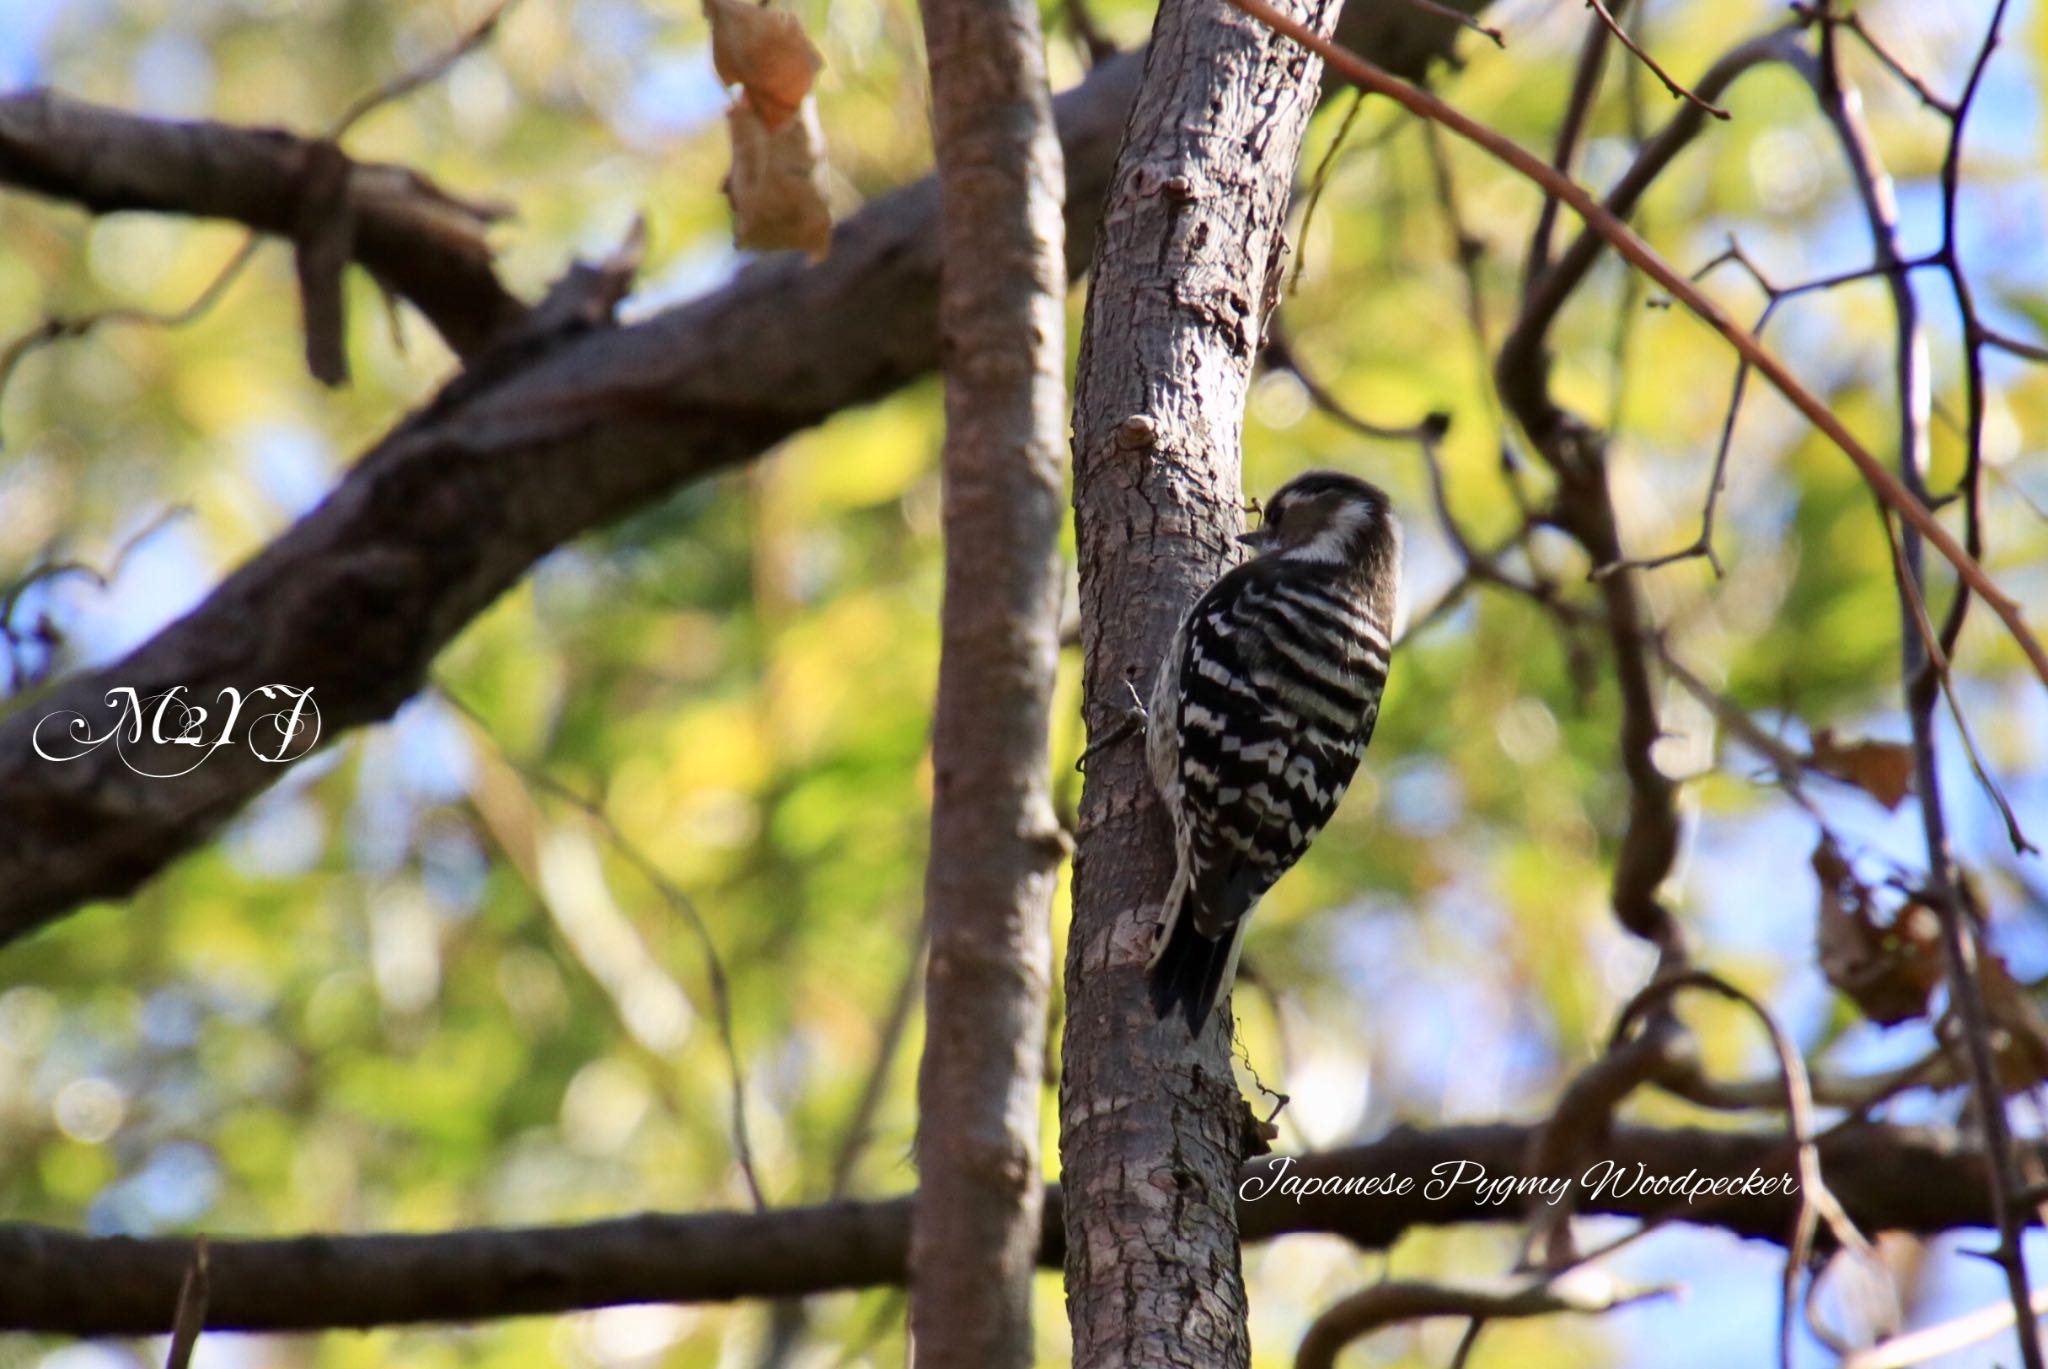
414	988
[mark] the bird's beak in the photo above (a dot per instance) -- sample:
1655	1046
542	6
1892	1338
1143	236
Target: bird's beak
1257	539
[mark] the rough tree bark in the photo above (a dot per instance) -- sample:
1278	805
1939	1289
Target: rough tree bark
995	847
1152	1127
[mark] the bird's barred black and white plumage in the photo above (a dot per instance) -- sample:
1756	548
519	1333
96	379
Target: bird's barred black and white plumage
1259	714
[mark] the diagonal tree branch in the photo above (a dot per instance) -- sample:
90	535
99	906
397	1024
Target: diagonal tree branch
550	435
424	243
1916	1180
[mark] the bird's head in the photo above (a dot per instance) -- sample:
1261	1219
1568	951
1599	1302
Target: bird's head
1330	517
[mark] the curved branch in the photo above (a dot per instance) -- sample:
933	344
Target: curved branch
424	243
1357	1316
1522	362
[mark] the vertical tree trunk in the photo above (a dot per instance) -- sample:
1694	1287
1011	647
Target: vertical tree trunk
995	843
1152	1127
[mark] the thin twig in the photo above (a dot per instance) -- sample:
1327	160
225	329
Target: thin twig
10	601
1395	1300
2019	492
714	966
1318	181
1932	1342
1937	660
61	328
2004	342
1570	128
405	83
190	1319
1854	23
1703	545
1467	249
1926	652
1974	390
1678	91
1460	18
789	1318
1647	259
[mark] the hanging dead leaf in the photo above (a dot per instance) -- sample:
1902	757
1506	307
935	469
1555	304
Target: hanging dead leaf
1883	770
2019	1031
777	184
1888	969
765	53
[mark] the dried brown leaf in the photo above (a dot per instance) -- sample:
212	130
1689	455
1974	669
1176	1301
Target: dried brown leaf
765	53
1883	770
2020	1033
1887	969
777	184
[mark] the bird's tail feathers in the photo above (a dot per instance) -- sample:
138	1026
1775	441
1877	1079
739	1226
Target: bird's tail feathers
1189	970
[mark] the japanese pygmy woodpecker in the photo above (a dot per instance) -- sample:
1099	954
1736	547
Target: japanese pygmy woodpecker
1259	713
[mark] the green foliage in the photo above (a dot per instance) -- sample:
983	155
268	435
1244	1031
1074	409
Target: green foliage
418	988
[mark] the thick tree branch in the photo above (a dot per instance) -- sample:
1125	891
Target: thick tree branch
550	436
996	845
424	243
1888	1179
1152	1128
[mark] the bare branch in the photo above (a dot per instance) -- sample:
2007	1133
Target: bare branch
2031	351
1853	22
1943	1338
1678	92
1578	110
190	1316
678	902
426	73
1366	1311
63	328
1915	1180
1924	664
47	572
1462	19
1816	1201
1640	254
423	242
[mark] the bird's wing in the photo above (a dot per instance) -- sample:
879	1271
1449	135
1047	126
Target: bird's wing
1287	727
